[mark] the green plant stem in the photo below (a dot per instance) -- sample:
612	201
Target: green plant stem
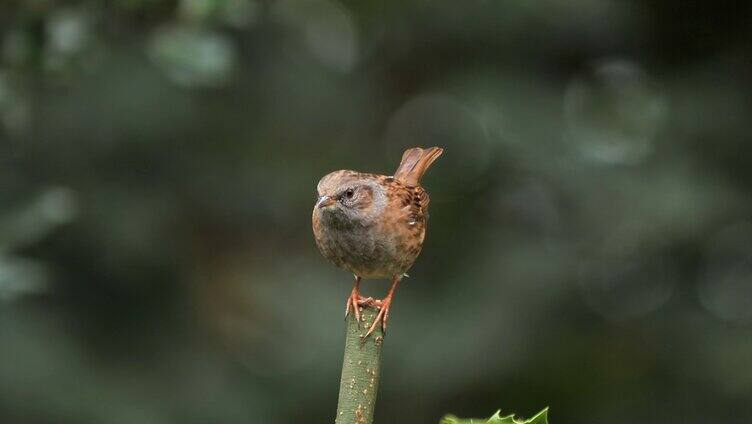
361	368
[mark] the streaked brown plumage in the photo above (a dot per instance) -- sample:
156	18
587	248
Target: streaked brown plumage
374	225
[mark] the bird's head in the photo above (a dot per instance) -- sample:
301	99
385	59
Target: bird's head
349	198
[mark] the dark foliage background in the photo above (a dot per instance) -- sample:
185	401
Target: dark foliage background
590	245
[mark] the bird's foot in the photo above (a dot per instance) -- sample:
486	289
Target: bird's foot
355	301
382	317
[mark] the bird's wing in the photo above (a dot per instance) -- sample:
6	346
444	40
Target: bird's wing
421	198
415	202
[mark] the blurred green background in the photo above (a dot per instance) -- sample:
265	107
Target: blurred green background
590	243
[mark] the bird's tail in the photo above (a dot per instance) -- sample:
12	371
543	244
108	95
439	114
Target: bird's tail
414	164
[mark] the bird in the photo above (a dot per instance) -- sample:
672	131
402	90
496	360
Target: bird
374	225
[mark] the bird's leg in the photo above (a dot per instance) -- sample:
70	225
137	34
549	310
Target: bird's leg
355	300
383	316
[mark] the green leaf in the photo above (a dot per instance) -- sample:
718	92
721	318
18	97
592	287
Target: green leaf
539	418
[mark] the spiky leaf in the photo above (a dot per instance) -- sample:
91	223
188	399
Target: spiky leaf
540	418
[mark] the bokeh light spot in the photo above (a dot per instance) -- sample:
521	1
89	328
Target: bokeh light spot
327	30
193	57
614	112
621	281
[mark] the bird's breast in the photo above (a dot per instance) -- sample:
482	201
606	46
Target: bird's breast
363	250
381	247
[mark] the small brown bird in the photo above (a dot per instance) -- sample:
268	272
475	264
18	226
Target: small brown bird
374	225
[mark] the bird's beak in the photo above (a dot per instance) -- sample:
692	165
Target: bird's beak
325	201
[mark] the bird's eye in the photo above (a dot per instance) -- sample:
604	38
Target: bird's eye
349	193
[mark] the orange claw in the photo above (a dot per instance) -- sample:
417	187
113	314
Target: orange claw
383	315
355	301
